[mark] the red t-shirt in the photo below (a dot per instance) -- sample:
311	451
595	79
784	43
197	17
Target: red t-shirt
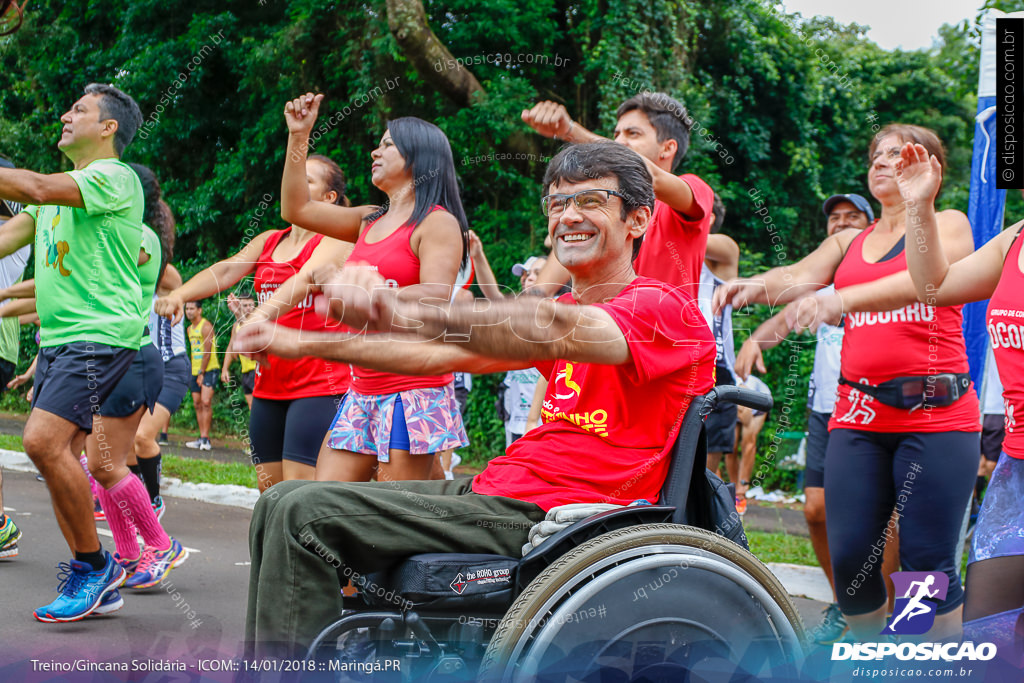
607	428
394	260
916	340
673	248
290	378
1006	330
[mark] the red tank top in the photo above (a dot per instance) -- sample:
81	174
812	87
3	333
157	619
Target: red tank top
394	261
1006	329
915	340
288	378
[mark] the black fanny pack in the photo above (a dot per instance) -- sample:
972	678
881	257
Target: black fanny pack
908	393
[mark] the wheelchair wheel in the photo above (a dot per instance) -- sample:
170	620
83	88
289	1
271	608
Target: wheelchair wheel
651	602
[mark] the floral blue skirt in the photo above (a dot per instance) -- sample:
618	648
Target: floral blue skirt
364	422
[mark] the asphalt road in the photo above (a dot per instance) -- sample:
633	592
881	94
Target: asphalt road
198	614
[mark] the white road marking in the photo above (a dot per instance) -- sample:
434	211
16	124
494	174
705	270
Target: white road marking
105	532
242	564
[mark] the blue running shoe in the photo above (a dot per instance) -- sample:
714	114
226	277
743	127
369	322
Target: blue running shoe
156	564
82	589
129	565
111	602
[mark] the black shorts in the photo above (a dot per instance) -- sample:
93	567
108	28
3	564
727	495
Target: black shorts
721	428
7	372
248	382
993	431
139	387
177	378
817	444
73	380
290	429
210	378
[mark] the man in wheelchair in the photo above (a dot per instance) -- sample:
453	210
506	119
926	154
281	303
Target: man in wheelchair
625	356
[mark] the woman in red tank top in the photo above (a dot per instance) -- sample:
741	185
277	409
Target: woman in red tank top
916	455
417	242
294	400
995	574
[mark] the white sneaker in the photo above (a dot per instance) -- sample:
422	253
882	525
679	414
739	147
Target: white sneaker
448	475
456	460
205	445
198	443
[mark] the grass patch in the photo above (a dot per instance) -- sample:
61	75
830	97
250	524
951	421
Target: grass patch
779	547
11	442
198	471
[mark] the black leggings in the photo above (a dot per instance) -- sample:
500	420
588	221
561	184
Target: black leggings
927	477
290	429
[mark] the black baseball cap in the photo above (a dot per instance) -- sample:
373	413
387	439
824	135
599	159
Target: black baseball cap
859	202
7	207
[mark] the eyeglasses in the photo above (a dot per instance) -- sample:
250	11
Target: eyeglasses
585	200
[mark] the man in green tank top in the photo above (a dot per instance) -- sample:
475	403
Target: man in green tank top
87	228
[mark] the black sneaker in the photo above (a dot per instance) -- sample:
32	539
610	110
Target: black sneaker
163	441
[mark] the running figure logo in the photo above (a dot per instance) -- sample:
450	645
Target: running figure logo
914	612
860	412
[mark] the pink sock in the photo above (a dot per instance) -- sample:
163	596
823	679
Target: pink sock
129	496
120	525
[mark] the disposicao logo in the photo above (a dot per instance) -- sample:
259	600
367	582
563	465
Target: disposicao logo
914	613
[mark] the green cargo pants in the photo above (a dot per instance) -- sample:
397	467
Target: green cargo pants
303	534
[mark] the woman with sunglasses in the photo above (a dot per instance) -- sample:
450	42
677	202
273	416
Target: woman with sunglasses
995	574
904	434
417	242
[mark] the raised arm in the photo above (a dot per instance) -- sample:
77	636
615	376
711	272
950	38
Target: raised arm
212	280
888	293
552	120
41	189
406	354
330	252
524	329
484	275
297	207
787	283
972	277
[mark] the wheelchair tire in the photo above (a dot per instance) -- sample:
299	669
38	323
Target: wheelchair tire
661	638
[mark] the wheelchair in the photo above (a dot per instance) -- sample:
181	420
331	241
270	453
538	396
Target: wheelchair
648	592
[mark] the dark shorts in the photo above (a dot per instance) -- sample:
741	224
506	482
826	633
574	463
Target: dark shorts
210	378
139	387
817	444
291	429
73	380
177	379
248	382
721	428
7	372
1000	530
993	431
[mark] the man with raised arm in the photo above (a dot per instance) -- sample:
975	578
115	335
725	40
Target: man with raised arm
657	127
87	227
638	354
